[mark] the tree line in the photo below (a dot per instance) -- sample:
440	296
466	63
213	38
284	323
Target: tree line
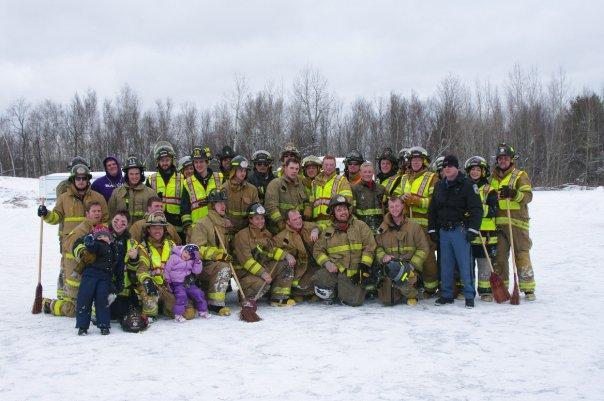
557	134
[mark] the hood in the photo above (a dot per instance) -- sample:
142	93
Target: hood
177	250
119	166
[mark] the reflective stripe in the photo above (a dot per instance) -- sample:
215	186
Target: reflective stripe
422	221
367	259
322	258
72	282
527	285
74	219
281	290
368	212
357	246
350	272
278	254
503	221
484	284
431	285
252	266
418	187
216	296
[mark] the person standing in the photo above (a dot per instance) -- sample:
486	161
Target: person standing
262	172
112	179
134	194
514	192
454	218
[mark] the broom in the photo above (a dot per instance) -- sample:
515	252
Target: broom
264	284
515	299
500	291
37	307
248	308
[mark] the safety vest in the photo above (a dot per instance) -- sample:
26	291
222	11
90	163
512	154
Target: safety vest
169	193
420	187
198	195
510	180
158	261
487	225
323	194
128	281
392	185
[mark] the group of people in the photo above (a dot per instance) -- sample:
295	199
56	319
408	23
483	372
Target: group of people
138	247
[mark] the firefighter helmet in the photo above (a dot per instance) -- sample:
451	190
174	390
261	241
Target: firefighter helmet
290	148
398	271
503	149
216	195
437	164
337	200
418	151
78	160
163	148
133	162
480	162
354	156
184	162
403	155
311	160
80	169
133	321
239	162
256	209
200	153
226	153
262	156
156	219
387	154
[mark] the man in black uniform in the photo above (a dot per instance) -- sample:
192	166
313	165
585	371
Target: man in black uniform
454	218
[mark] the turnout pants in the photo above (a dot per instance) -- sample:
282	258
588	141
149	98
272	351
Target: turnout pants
94	287
346	291
482	264
390	294
182	293
430	271
303	283
280	287
455	248
215	281
66	304
166	300
522	246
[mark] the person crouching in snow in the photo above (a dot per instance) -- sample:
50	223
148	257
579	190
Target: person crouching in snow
102	275
180	271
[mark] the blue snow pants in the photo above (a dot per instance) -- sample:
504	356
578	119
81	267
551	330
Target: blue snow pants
455	248
94	286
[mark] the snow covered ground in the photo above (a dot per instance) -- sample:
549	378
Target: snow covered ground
547	350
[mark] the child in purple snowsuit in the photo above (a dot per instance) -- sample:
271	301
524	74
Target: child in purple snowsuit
183	264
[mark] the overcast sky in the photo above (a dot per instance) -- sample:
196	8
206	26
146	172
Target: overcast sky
193	50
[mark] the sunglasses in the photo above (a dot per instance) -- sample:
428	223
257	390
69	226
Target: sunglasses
80	178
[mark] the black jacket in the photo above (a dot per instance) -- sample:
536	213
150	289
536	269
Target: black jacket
108	261
261	181
454	203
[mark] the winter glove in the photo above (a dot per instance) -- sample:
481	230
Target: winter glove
412	200
150	287
189	280
223	256
88	241
110	298
433	236
471	235
364	274
507	193
42	211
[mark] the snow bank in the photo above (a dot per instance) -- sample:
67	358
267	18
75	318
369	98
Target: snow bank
547	350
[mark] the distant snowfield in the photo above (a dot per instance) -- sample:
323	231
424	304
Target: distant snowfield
547	350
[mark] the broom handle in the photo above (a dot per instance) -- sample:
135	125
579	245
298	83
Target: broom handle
486	253
229	263
40	246
507	201
265	283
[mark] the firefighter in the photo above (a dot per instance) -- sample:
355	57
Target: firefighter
297	239
387	166
368	198
289	152
63	185
224	158
404	242
70	209
64	305
345	252
155	252
286	193
241	194
167	183
185	167
216	272
478	170
193	205
515	192
134	194
260	261
392	183
262	173
311	166
324	187
352	166
137	230
417	188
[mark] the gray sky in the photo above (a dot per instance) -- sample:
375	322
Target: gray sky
193	50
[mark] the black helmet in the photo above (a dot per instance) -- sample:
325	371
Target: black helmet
226	153
354	156
199	153
337	200
503	149
260	156
290	148
239	162
163	148
480	162
217	196
133	321
78	160
403	155
184	162
398	271
256	209
133	162
79	169
387	154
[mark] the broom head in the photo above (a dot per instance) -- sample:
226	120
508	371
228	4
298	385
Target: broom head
515	300
248	314
500	291
37	308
